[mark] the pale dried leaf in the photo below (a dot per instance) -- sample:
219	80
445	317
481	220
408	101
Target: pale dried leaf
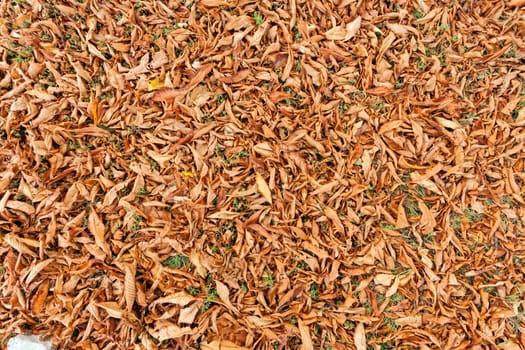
263	188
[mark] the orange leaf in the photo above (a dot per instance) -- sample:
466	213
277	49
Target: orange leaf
37	304
94	109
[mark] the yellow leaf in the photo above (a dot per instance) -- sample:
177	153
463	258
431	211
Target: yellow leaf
263	188
187	173
155	84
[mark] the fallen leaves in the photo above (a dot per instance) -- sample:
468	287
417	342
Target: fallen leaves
256	175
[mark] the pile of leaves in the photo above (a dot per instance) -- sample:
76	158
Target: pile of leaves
236	174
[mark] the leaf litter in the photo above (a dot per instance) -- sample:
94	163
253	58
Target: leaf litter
263	175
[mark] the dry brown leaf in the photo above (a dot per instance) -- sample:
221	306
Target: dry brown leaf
222	345
334	217
39	299
306	339
224	294
179	298
112	309
18	245
98	230
360	336
263	188
188	314
22	206
130	291
165	330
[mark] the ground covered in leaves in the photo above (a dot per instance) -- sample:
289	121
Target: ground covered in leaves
218	174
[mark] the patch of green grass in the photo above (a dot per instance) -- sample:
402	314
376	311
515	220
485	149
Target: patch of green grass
97	274
429	51
349	325
13	184
239	203
50	11
297	66
300	265
417	14
259	19
468	118
139	218
421	64
461	270
399	270
193	290
512	53
420	190
444	27
142	191
314	291
455	221
378	105
241	154
507	200
515	322
473	216
390	323
176	261
411	208
368	307
396	298
387	226
297	35
211	295
268	278
343	107
443	60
